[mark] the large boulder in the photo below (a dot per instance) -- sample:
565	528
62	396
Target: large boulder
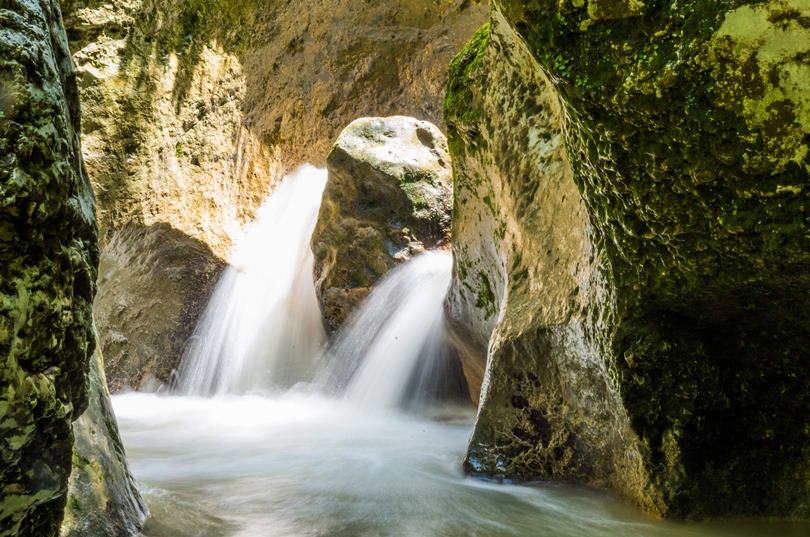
631	192
388	197
48	257
103	500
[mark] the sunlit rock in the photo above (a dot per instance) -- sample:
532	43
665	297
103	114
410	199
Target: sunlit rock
631	192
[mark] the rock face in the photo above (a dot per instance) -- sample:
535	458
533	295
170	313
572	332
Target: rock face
388	197
48	257
150	274
196	109
103	500
630	235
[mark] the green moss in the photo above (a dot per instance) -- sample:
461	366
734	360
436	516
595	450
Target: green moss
486	296
461	113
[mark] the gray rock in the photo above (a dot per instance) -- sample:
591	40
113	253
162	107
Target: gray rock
103	500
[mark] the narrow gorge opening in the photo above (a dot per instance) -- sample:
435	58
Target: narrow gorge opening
547	275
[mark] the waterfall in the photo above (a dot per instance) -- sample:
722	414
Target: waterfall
262	327
393	347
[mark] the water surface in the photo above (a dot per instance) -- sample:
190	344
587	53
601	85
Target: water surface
298	464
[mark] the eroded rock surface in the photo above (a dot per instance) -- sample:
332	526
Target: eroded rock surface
196	109
48	257
150	274
642	258
388	197
103	500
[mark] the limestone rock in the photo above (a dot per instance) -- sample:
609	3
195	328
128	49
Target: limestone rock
641	273
525	274
103	500
48	257
388	197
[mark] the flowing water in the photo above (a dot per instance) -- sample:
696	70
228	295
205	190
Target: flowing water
255	442
393	350
301	464
262	327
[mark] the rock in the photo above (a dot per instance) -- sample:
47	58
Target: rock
640	264
48	257
195	110
103	500
148	276
388	197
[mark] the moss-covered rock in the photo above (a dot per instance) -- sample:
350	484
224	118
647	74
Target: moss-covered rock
525	274
686	128
103	500
387	198
48	257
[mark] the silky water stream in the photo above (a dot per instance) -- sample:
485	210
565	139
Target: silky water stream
269	434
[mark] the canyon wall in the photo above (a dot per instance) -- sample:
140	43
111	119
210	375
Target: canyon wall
630	238
48	258
196	109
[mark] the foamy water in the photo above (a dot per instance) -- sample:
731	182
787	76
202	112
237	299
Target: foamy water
390	351
306	465
262	327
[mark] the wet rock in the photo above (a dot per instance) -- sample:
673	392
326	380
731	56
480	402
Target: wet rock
103	500
48	257
633	248
387	198
153	286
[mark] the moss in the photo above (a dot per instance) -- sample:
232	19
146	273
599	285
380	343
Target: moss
461	113
48	258
486	296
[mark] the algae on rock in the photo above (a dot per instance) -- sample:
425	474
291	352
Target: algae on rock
48	258
685	125
525	275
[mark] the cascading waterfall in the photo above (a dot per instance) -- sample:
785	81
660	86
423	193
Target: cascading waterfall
262	327
393	347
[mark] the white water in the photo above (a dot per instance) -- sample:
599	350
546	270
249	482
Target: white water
300	465
262	327
378	354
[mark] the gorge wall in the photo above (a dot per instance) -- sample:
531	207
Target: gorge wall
196	109
630	237
48	258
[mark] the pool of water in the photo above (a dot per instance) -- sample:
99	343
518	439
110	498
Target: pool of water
298	464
